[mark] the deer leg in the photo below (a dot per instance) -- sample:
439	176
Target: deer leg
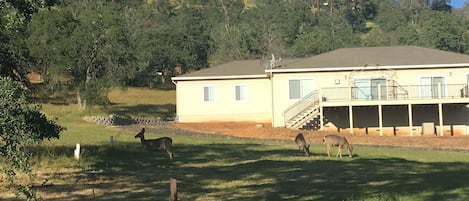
329	150
305	150
339	152
170	155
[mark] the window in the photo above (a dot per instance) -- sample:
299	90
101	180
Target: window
430	86
299	88
209	94
241	93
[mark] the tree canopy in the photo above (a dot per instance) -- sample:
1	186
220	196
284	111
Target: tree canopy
21	125
87	47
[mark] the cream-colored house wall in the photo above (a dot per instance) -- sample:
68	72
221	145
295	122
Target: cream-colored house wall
321	80
190	106
281	93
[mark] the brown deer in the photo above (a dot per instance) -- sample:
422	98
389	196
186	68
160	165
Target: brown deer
301	142
340	142
164	143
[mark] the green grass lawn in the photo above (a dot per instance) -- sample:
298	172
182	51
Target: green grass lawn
217	168
221	168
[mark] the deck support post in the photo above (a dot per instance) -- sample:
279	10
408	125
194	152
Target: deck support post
350	115
440	118
411	129
380	119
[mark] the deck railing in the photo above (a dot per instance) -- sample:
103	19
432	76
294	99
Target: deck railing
382	93
409	92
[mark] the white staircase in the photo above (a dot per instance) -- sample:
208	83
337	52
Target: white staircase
298	114
304	117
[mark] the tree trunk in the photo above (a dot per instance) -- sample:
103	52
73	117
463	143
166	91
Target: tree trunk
81	103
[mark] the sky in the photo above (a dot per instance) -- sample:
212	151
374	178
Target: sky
457	3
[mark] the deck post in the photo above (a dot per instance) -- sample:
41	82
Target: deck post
380	119
380	112
321	111
440	118
350	115
411	129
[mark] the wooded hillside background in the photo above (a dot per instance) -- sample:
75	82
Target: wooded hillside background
90	46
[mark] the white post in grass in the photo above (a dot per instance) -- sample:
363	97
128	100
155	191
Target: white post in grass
77	151
173	189
111	140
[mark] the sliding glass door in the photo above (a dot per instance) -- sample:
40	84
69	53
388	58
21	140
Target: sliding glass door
370	89
430	86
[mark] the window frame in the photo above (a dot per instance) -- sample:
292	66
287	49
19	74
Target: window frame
212	93
244	93
302	92
432	93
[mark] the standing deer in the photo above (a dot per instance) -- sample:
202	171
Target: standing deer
340	142
301	142
164	143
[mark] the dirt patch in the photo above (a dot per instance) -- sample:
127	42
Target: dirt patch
266	131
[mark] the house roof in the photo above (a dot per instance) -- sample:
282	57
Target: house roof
234	69
378	57
342	59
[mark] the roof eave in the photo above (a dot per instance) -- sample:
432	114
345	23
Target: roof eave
219	77
352	68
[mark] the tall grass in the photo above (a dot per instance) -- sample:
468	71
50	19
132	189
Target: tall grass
222	168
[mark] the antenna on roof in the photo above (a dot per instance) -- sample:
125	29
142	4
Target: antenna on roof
273	61
270	63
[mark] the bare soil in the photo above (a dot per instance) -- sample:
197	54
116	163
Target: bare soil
266	131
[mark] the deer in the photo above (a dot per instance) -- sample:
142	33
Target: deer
301	142
340	142
164	143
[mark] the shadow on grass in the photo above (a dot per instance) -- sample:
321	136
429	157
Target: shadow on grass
251	171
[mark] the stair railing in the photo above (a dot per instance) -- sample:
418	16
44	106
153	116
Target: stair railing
399	92
301	105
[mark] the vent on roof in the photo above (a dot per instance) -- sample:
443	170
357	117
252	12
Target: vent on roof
371	65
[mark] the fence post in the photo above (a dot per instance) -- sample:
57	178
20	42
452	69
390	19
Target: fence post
77	151
173	189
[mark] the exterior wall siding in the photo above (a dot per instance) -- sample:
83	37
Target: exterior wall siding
191	107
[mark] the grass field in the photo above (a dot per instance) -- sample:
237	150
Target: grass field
221	168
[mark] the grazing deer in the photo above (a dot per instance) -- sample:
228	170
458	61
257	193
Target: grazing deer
301	142
164	143
340	142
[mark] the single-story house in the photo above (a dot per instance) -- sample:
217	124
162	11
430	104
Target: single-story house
397	90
